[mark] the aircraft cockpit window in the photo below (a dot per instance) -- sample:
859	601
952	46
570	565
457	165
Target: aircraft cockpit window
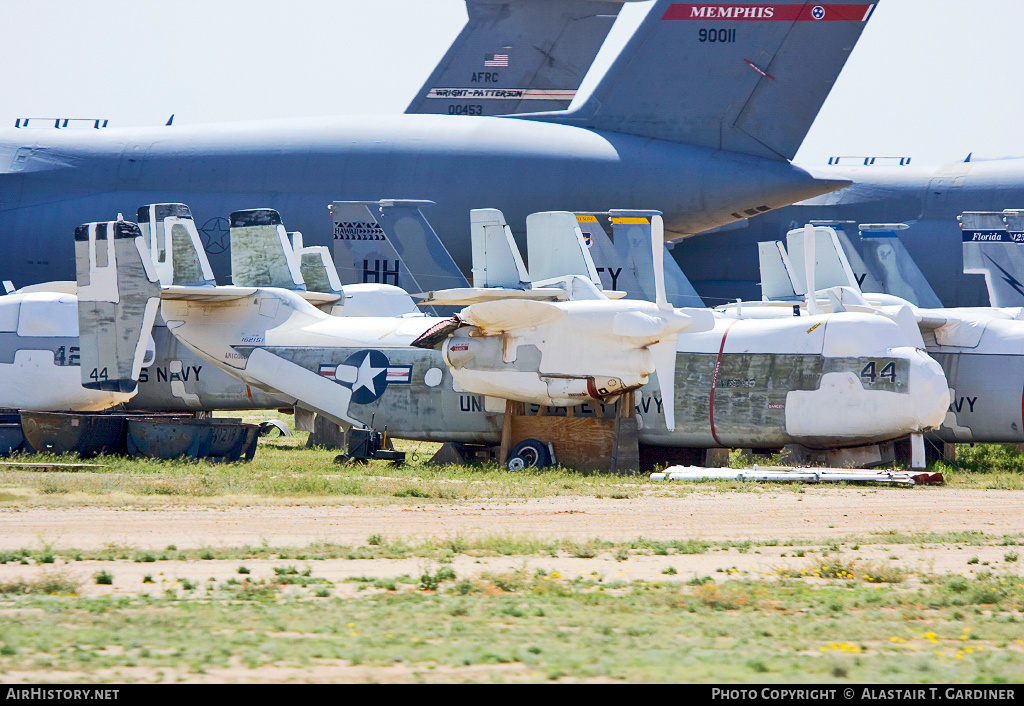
56	316
9	315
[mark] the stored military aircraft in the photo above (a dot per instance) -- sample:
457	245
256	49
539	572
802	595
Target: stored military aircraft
767	385
698	115
927	199
979	348
40	351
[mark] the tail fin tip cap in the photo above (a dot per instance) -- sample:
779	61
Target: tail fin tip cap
255	217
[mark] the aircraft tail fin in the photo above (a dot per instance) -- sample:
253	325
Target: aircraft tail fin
887	261
173	239
623	259
830	268
318	271
993	245
118	299
390	242
517	56
496	258
261	253
777	279
555	246
747	78
864	274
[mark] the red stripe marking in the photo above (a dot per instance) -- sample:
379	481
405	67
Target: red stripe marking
752	65
714	383
731	12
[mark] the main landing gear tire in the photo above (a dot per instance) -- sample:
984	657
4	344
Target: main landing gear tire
529	453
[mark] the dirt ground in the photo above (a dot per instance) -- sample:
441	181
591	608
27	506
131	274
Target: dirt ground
819	513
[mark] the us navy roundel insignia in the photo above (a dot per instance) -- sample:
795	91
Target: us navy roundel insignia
216	235
818	12
368	374
371	375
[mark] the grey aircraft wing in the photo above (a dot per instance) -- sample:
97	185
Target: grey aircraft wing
517	56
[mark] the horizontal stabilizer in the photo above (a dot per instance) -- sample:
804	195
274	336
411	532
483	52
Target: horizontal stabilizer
517	56
261	253
118	299
747	78
464	296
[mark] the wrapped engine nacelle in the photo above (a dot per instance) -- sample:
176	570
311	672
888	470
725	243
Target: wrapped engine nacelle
478	365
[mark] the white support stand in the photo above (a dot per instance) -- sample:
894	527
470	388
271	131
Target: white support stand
917	459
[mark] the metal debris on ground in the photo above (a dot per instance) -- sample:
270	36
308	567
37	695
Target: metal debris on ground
803	475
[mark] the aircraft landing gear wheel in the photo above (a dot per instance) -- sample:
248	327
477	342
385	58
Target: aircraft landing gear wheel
529	453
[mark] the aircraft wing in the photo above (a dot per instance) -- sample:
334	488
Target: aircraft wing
228	293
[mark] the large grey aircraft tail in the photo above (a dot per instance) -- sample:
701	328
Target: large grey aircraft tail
748	78
517	56
624	260
118	299
889	264
993	246
390	242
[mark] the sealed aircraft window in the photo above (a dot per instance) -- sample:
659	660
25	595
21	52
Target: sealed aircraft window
49	315
9	315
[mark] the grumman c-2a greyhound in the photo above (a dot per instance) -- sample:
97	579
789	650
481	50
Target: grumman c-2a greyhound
981	349
769	385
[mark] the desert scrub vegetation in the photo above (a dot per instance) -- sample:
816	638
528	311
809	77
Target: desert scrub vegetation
532	625
284	470
379	546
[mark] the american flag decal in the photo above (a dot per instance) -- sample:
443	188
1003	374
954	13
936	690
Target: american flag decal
495	59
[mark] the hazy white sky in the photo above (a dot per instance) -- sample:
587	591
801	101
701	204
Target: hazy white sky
932	79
